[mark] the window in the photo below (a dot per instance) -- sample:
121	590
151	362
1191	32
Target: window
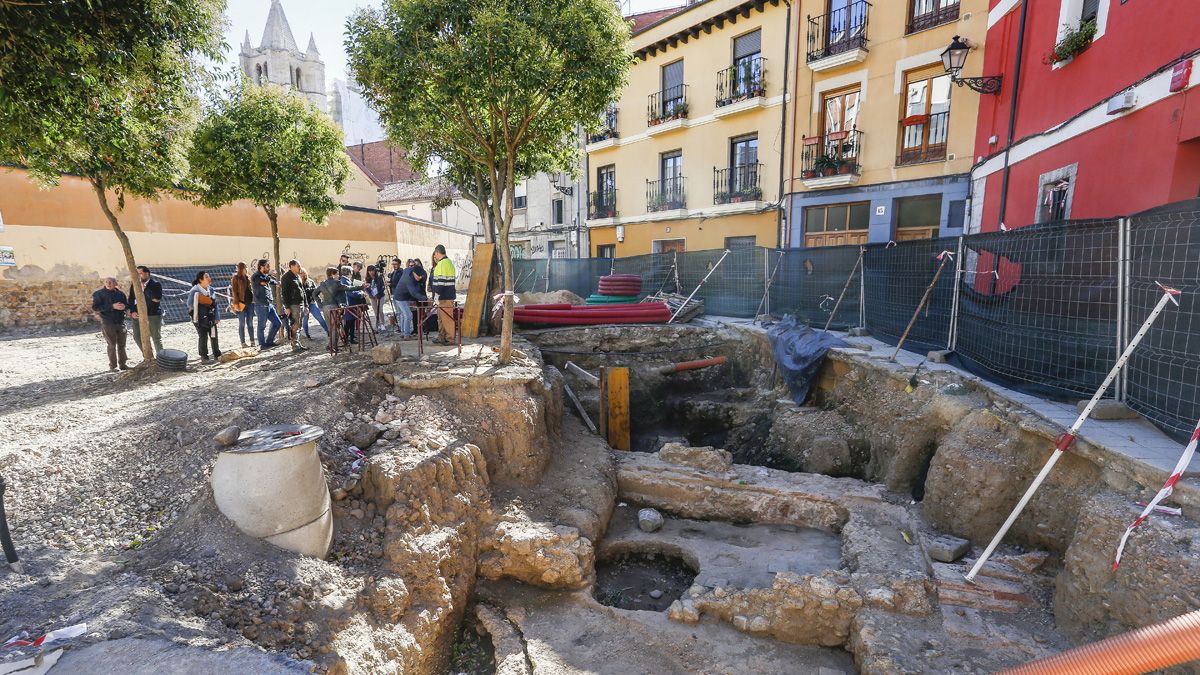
519	201
258	73
606	250
747	65
671	98
604	199
925	119
918	217
837	224
739	242
556	208
299	81
924	14
839	111
671	165
667	192
739	182
1091	10
1053	204
668	246
557	249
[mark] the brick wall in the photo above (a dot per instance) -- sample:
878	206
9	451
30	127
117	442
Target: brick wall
46	303
382	161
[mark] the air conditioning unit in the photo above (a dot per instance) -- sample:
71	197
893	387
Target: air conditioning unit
1122	102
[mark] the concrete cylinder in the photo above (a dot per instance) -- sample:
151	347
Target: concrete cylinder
272	486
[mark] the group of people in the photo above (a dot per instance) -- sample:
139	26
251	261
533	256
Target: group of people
361	293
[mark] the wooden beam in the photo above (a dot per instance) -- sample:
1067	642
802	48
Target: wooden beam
579	406
603	422
745	11
618	408
720	21
708	26
684	37
673	40
694	31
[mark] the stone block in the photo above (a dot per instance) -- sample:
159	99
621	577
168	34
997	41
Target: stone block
386	353
858	331
938	355
945	548
707	458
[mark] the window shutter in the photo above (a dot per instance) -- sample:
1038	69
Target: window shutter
1090	9
747	45
957	215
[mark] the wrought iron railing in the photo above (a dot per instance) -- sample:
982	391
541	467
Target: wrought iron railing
933	16
923	138
835	153
737	184
666	194
741	81
668	104
602	204
608	128
839	31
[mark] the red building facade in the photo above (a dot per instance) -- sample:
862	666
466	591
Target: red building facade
1108	130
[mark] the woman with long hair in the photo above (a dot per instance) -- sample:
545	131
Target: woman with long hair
310	302
202	304
241	301
373	285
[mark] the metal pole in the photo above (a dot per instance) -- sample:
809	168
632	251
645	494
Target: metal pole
10	552
862	289
766	299
841	295
943	256
952	339
1122	298
697	288
1067	439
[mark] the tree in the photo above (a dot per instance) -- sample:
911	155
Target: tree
494	87
105	90
272	147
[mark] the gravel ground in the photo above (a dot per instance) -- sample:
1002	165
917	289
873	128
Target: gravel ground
108	498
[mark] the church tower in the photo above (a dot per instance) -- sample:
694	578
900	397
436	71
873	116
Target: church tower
278	59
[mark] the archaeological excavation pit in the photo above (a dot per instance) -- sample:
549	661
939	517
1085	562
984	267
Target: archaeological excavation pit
642	580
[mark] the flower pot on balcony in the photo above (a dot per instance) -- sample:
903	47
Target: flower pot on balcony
846	168
808	173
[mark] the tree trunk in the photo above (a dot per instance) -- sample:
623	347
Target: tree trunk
505	224
274	216
143	306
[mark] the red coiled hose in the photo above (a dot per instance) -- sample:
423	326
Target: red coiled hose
1169	643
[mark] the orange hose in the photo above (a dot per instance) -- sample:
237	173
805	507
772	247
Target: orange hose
1164	644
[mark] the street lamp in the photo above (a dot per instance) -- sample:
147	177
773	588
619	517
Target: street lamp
953	60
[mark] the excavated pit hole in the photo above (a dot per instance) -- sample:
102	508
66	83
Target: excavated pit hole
626	580
472	652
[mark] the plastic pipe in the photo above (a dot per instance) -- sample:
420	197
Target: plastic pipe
1147	649
692	365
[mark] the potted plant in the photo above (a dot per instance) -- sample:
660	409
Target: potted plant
722	197
827	165
754	193
846	167
1073	43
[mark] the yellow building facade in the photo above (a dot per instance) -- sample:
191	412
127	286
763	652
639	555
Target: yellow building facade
690	157
881	136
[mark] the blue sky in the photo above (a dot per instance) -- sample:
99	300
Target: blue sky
326	21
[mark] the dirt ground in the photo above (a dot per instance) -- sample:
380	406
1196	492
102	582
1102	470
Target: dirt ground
107	480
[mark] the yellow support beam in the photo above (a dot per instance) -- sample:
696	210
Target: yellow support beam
617	390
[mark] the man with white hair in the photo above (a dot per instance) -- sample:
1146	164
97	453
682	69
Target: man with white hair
109	304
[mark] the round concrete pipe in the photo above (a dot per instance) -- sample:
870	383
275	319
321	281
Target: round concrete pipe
272	486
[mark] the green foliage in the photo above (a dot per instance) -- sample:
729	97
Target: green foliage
495	88
1074	42
103	89
271	147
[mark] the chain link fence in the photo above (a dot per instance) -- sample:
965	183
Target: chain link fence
1044	309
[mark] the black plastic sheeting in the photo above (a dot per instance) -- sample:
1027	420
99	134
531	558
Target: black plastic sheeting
799	352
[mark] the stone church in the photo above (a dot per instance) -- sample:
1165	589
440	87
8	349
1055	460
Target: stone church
278	60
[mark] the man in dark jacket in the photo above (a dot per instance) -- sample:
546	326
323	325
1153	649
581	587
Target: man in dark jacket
393	280
264	306
411	288
293	302
109	303
354	300
153	292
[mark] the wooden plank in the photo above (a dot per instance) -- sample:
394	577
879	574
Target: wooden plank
604	403
481	268
618	408
579	406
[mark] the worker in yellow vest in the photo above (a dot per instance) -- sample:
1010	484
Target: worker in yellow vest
441	283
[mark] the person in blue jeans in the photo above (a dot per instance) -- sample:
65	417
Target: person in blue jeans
241	301
411	288
310	299
264	308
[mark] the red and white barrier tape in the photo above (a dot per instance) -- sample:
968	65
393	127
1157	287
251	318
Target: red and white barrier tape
1165	492
22	639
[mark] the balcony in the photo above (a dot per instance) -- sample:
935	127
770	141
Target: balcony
667	109
607	135
737	184
741	86
933	16
602	204
839	37
667	194
831	160
923	138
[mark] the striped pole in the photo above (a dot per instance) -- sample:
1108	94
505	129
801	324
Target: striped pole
1066	440
1167	489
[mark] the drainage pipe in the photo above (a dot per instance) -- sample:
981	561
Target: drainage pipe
272	486
691	365
1147	649
10	551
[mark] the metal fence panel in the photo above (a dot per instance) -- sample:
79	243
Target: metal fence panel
1163	375
896	276
808	282
1038	306
735	287
177	281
